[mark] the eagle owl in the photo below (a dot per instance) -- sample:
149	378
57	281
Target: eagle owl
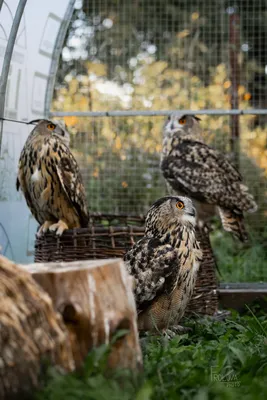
50	180
193	169
164	263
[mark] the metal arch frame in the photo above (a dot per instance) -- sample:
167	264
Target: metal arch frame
1	3
7	60
55	57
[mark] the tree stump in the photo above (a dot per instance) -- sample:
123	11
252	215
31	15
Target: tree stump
31	333
95	300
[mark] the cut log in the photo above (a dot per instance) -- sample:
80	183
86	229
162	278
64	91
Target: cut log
95	299
31	333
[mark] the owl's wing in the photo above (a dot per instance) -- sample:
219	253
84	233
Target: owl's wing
70	177
21	184
154	267
203	173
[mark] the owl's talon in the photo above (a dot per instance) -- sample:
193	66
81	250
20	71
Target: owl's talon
44	228
59	227
176	330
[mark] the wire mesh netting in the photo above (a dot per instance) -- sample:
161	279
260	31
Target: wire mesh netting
155	55
158	55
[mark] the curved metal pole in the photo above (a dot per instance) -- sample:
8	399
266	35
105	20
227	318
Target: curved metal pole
1	3
7	59
56	54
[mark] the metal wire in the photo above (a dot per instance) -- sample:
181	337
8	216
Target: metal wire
7	59
56	55
17	121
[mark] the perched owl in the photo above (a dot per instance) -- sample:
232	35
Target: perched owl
61	129
193	169
164	263
50	180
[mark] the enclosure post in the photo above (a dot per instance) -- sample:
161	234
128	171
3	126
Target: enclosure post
234	40
56	54
6	63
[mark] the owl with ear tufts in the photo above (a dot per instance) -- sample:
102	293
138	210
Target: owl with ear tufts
193	169
60	129
164	264
50	180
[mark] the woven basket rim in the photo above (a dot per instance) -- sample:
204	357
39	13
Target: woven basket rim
92	230
117	215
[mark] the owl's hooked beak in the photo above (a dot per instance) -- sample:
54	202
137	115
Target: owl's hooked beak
192	212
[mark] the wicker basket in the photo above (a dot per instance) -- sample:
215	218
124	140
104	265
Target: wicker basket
110	236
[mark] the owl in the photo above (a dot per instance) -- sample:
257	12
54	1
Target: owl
50	180
61	131
193	169
164	263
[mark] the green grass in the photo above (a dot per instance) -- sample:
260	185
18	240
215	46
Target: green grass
238	262
217	360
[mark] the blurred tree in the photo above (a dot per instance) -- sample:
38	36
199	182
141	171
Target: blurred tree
152	54
187	34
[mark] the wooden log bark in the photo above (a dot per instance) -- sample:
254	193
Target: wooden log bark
31	333
95	300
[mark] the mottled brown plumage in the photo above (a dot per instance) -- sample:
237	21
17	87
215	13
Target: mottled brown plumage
50	180
164	263
194	169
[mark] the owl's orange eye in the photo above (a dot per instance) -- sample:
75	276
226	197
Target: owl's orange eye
182	121
180	205
51	127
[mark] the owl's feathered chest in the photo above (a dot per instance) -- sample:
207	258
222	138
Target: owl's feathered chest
39	159
38	175
189	255
174	146
166	147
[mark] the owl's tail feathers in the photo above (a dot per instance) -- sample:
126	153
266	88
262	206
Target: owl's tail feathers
247	200
234	223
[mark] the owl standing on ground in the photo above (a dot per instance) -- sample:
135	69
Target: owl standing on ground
164	263
193	169
50	180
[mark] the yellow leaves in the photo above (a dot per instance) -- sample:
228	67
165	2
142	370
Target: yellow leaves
107	132
247	96
83	103
183	34
70	121
227	84
195	16
98	69
96	172
124	184
73	86
160	87
220	74
241	90
155	69
141	90
255	143
118	144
